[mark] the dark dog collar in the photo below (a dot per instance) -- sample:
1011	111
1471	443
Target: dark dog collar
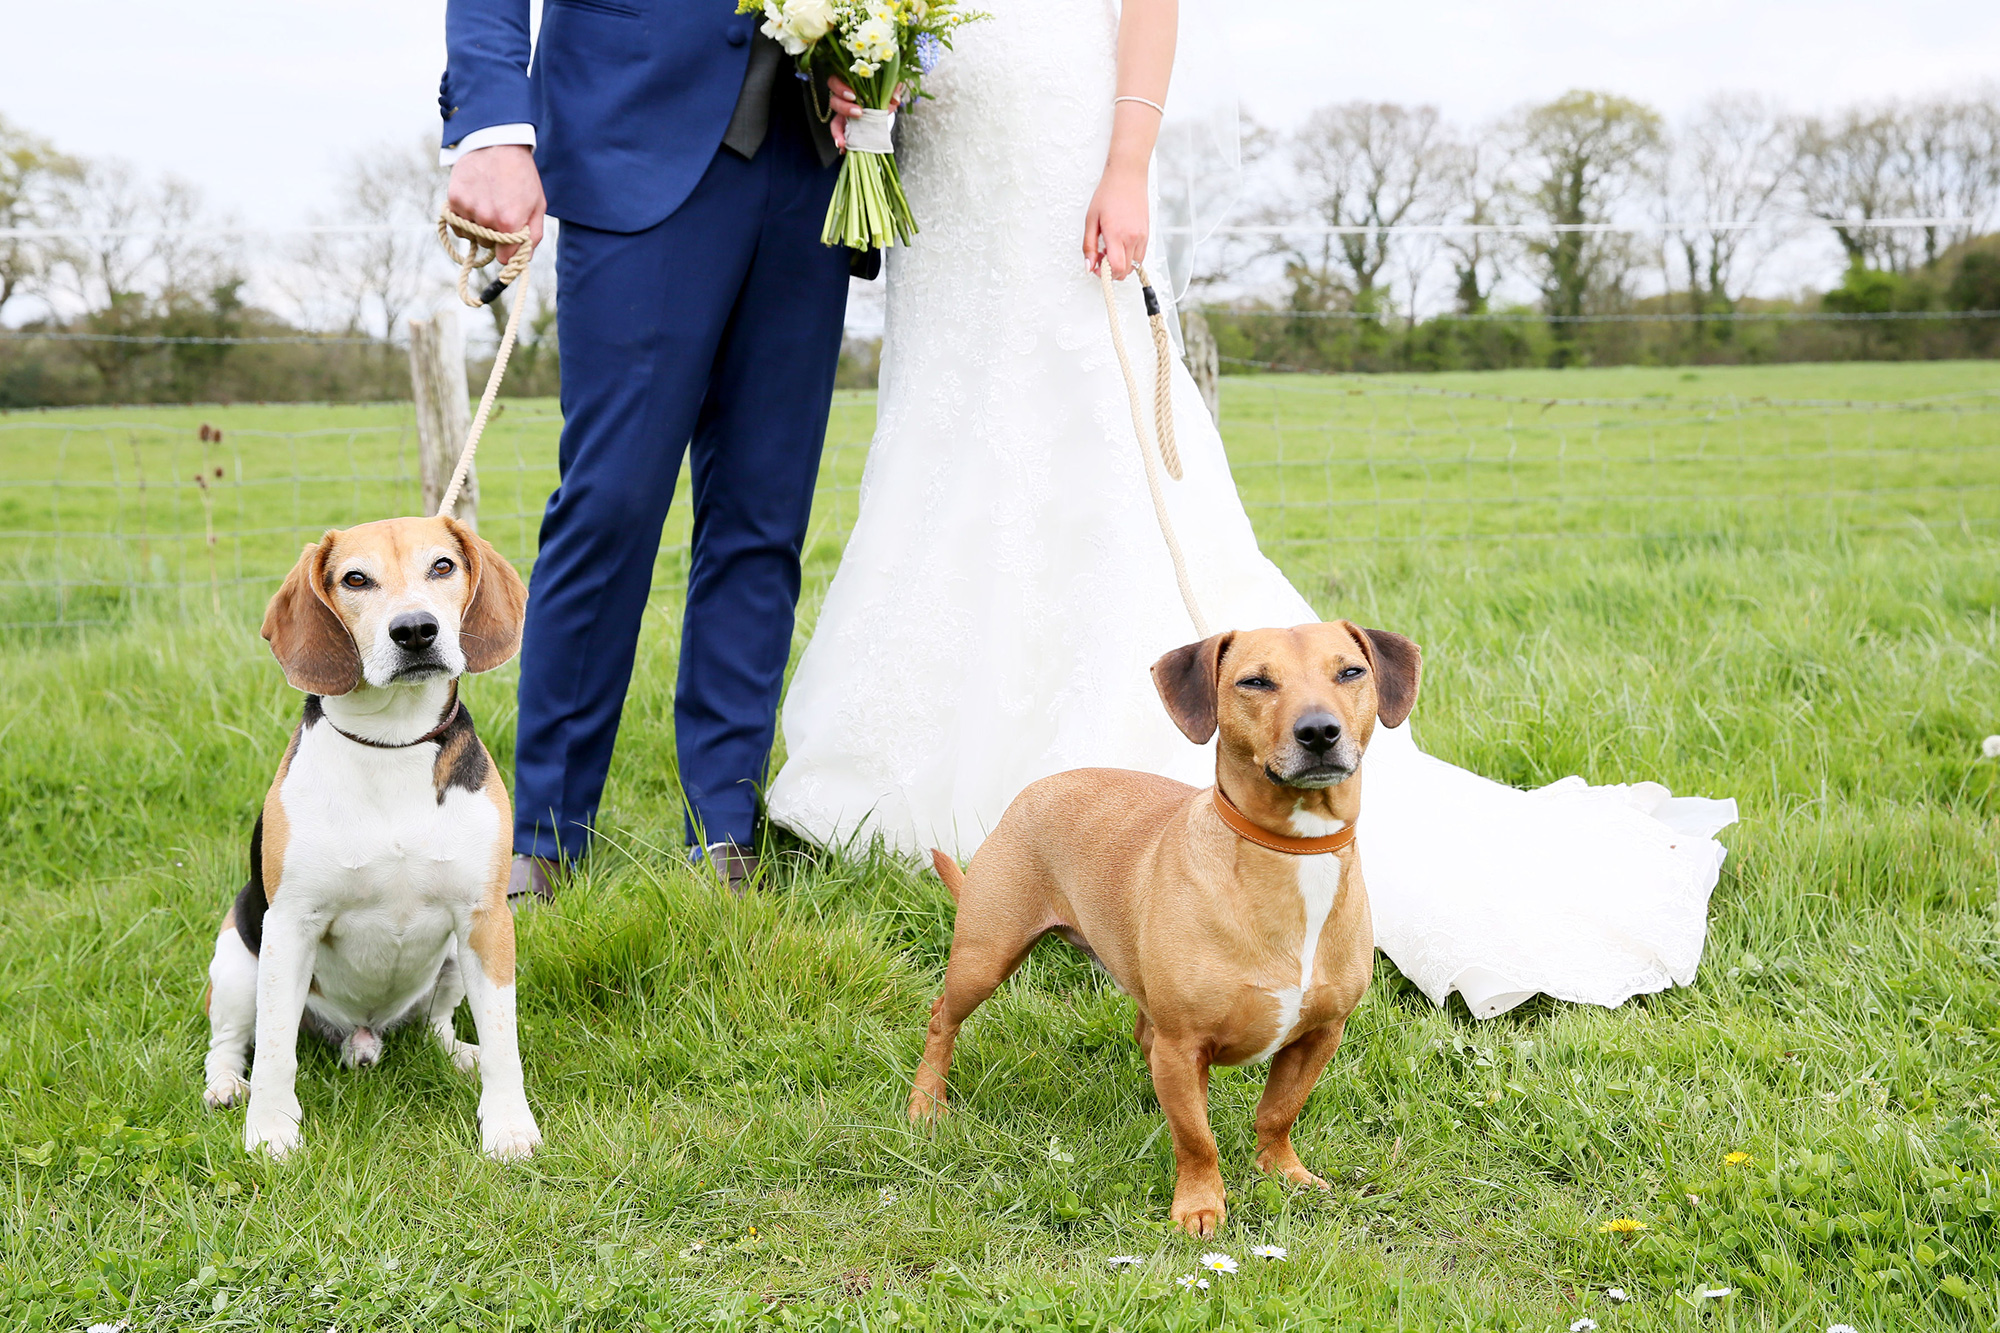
450	716
1239	824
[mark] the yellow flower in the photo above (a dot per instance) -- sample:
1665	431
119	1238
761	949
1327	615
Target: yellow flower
1737	1158
1623	1226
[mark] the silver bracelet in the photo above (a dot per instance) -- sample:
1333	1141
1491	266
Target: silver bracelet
1142	101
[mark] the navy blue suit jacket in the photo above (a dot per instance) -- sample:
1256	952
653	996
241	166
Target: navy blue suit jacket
629	98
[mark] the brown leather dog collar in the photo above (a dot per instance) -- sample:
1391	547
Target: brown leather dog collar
450	716
1239	824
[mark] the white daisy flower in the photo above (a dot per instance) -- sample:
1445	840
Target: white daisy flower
1124	1261
1849	1328
1584	1325
1270	1251
1616	1294
1190	1282
886	1195
1218	1263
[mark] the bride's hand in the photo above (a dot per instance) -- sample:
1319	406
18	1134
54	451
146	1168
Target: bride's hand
1114	229
847	106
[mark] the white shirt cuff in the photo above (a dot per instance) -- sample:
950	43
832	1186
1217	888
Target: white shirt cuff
521	133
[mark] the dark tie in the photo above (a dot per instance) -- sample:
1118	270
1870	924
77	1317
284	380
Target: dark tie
752	119
750	124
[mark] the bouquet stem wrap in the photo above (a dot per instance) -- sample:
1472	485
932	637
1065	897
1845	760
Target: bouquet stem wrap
874	132
869	210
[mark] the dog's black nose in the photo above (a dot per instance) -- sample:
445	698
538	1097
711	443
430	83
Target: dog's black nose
1317	731
414	631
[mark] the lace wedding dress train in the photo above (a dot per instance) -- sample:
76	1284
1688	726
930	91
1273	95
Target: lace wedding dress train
1006	588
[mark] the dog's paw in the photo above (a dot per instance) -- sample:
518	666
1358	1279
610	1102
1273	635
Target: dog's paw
927	1109
1287	1166
1197	1207
509	1137
465	1058
1299	1175
274	1134
225	1090
362	1049
1198	1219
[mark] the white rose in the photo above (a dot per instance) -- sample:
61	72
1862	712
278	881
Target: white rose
809	18
785	37
778	26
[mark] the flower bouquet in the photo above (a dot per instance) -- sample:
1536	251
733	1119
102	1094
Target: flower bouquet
883	48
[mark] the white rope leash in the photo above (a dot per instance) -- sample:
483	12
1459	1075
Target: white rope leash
1163	415
481	248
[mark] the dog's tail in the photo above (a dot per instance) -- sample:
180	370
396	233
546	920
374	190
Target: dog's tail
948	871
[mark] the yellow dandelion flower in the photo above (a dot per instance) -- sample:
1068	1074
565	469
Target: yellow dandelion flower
1737	1158
1623	1226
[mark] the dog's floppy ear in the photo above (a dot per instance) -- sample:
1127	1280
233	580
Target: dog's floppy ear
1186	680
489	632
1399	665
310	642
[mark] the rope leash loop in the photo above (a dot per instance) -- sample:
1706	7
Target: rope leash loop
1163	418
482	248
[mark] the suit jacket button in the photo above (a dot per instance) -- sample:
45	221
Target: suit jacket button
738	36
450	111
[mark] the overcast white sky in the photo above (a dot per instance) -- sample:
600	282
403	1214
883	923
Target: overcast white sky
258	101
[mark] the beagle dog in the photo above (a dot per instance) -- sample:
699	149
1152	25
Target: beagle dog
1235	916
378	866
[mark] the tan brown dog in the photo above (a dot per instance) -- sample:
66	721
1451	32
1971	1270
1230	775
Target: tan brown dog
1234	916
378	866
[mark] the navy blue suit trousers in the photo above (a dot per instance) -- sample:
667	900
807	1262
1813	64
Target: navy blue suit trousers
715	333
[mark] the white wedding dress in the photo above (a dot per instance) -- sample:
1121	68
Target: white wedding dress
1006	587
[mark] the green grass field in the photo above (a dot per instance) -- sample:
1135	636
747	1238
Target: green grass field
1780	584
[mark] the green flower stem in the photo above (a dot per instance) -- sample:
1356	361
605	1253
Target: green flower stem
869	209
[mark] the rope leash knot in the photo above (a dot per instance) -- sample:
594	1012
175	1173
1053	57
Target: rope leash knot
482	247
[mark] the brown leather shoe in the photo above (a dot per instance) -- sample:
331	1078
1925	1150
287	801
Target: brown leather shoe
735	864
532	879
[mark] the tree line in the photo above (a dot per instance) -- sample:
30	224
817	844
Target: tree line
143	296
1721	196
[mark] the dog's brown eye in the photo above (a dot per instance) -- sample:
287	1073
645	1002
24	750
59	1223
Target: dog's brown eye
354	578
442	567
1352	673
1256	683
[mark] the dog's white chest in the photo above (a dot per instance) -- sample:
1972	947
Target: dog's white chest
1319	889
366	828
389	871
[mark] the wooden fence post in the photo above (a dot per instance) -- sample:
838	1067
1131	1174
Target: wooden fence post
444	413
1203	361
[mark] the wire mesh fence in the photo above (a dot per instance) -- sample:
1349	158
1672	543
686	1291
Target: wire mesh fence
106	513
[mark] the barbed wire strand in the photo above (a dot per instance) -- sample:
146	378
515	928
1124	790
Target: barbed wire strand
1299	228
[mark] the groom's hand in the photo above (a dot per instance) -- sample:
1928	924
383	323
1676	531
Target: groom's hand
498	187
